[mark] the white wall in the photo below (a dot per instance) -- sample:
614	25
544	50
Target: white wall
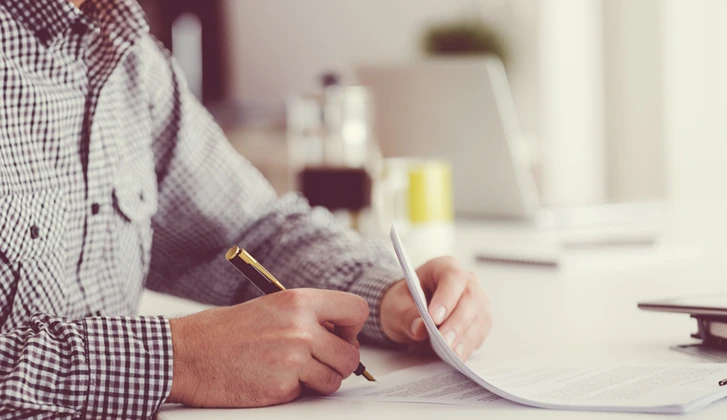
695	32
572	96
279	47
634	99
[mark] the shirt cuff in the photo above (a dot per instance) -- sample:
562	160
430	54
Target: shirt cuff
372	286
130	366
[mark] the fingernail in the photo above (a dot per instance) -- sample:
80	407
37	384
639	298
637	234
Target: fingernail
449	337
459	350
415	325
439	314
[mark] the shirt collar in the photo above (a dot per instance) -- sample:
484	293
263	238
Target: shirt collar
122	20
45	18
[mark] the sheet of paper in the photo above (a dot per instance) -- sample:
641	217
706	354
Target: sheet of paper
434	383
643	388
639	388
657	389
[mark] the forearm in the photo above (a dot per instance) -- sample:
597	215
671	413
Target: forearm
105	368
301	246
210	198
305	247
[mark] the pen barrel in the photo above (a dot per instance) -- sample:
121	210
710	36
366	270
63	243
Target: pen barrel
254	276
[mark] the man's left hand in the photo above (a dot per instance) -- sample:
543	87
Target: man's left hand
457	304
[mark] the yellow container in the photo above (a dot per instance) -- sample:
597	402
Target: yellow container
430	192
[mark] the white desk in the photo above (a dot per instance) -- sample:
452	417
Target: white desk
586	309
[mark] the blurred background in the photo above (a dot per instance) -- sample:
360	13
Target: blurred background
617	101
601	121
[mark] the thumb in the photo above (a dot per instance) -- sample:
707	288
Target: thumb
413	327
400	319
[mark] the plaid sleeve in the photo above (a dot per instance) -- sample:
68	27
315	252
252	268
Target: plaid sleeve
95	368
210	198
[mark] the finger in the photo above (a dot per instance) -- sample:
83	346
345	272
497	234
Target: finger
449	284
454	328
411	328
346	311
476	333
417	330
320	377
333	351
473	337
332	329
408	326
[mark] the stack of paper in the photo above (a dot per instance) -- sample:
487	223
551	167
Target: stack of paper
628	388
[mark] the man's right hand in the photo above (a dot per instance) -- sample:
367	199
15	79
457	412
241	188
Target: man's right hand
263	352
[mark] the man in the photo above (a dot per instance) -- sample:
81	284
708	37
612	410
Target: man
112	179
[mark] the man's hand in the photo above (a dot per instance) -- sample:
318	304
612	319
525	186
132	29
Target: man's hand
457	304
265	351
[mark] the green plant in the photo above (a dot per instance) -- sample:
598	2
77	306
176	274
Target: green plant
463	37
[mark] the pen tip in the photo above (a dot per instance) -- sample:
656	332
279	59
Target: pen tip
232	253
369	377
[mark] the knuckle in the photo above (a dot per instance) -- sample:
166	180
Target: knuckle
457	276
448	260
476	291
293	359
301	335
295	300
286	389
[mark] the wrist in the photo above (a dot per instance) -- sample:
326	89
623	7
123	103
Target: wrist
391	310
180	376
372	286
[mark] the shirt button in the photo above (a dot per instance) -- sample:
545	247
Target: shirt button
141	196
95	208
34	232
79	28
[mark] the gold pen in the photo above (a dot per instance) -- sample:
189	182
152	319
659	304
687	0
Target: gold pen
267	283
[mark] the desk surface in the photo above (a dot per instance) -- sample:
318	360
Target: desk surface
586	309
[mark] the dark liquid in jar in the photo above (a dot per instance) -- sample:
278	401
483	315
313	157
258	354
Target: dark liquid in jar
336	188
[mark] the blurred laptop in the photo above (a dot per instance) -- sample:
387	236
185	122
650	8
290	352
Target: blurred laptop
462	111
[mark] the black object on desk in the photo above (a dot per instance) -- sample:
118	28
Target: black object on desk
710	312
267	283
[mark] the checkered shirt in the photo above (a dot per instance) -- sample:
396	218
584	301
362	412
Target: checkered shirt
114	178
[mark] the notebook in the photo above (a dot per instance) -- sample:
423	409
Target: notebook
546	259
